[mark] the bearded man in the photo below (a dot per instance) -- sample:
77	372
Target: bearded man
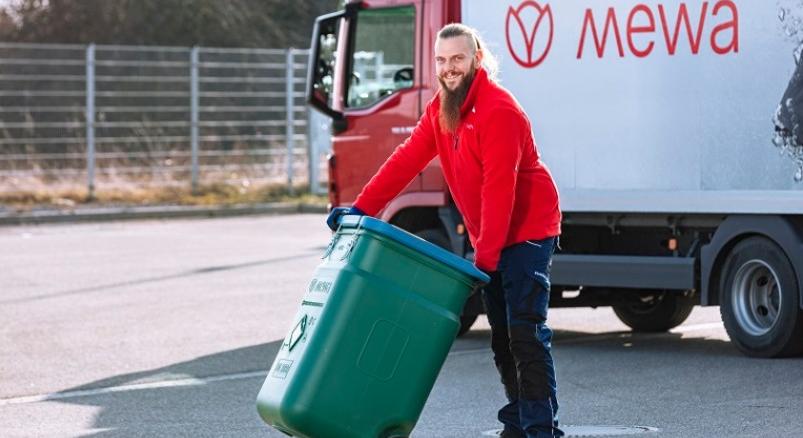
509	204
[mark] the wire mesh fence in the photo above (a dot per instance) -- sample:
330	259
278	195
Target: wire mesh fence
100	117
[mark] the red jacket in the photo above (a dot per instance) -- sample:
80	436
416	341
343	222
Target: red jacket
504	192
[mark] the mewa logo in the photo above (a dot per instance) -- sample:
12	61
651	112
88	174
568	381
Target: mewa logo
529	30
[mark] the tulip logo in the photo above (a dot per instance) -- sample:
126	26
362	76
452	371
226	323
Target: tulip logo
522	39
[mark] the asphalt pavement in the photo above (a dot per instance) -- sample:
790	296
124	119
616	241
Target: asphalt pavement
165	328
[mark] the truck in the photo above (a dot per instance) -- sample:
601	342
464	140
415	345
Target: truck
671	128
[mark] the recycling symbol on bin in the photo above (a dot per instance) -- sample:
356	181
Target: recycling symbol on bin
297	334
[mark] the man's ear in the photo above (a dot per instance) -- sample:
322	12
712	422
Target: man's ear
478	58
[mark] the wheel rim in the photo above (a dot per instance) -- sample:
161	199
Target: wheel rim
757	297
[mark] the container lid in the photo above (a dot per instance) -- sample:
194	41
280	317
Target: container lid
411	241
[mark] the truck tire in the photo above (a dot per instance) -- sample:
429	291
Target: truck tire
654	312
438	237
759	300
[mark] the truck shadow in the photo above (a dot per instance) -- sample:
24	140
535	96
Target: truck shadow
215	395
675	343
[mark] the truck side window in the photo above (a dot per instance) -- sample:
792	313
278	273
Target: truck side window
383	55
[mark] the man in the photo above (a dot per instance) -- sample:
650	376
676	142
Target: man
509	203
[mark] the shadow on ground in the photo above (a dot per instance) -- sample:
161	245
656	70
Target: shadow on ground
226	407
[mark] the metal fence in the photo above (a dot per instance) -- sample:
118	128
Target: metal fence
111	116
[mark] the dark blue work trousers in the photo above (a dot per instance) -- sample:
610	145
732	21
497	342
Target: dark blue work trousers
516	300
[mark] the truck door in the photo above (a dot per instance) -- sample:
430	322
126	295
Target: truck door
371	87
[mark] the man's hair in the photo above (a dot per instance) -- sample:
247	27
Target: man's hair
488	59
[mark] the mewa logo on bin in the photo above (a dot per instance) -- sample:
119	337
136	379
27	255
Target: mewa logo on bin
319	286
622	31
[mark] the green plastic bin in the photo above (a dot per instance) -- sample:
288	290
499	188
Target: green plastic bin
374	328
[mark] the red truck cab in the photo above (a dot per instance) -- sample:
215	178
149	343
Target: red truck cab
377	95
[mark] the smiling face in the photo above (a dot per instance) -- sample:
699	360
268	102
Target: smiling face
456	59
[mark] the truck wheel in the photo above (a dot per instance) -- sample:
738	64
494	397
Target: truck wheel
438	237
654	312
759	300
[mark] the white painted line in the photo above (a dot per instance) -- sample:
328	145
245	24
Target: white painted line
132	387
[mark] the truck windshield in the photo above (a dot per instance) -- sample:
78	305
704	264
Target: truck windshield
383	55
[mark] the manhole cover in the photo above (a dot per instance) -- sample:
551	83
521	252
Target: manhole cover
594	431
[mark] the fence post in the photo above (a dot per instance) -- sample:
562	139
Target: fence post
90	120
314	153
194	101
289	129
379	66
319	128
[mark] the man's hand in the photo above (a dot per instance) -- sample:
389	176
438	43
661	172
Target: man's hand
333	221
494	275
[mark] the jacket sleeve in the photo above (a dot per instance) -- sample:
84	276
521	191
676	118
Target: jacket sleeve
406	161
501	145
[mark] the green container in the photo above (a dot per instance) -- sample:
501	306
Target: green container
373	331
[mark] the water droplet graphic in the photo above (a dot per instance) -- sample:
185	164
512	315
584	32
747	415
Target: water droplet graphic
777	140
787	137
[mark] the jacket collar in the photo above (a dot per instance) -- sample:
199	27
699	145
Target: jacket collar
480	81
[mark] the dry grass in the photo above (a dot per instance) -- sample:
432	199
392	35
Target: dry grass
209	195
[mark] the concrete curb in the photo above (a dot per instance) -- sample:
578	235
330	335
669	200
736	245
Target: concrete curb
152	212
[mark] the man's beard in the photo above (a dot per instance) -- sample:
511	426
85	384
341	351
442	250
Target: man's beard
452	100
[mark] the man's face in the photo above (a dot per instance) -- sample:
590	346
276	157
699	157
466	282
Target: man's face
455	60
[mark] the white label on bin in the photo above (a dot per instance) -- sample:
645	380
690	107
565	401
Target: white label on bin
281	368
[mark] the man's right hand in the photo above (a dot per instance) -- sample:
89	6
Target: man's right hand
333	221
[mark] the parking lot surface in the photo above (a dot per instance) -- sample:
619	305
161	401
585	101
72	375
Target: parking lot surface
167	328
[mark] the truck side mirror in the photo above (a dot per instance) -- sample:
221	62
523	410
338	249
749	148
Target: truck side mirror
322	62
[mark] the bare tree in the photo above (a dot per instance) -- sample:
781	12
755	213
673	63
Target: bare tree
229	23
